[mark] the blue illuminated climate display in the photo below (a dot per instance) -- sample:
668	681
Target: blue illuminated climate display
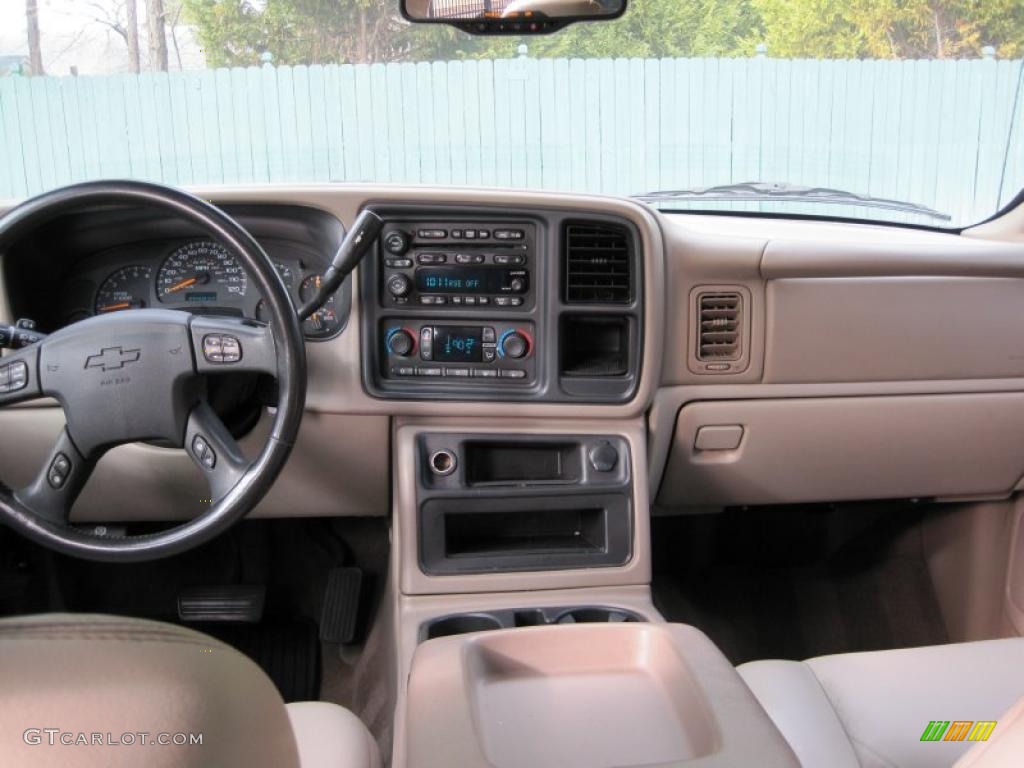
458	344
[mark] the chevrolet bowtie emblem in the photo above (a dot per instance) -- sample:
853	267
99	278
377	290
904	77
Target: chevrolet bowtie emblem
113	358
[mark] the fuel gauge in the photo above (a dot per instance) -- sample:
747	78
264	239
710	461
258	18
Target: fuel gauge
325	321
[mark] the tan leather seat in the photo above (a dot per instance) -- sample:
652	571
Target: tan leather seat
872	709
85	690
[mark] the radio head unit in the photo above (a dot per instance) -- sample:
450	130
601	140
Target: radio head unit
449	265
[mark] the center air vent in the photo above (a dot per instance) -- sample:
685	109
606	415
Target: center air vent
598	264
719	315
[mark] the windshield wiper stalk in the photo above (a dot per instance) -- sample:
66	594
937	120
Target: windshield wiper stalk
773	191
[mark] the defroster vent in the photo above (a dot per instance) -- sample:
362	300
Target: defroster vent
598	264
720	318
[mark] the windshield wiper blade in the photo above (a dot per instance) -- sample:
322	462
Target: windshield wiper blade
772	191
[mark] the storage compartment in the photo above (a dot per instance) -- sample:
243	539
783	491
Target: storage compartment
854	448
587	696
555	530
474	535
594	345
503	463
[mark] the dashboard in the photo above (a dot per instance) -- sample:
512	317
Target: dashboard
762	361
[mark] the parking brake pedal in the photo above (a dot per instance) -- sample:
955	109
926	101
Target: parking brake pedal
341	605
226	603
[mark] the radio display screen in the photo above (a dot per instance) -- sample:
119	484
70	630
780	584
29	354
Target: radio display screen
459	280
458	344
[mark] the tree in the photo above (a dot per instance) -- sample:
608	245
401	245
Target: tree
122	19
35	52
655	28
132	34
238	32
902	29
157	33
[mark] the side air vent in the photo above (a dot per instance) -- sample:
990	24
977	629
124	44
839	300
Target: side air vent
598	264
720	319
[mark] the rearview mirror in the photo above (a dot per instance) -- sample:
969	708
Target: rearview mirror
510	17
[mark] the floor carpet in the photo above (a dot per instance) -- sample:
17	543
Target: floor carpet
793	583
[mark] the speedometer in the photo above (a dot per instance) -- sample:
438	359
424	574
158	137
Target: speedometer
201	272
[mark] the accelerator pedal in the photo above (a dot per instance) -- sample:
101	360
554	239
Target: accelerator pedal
341	605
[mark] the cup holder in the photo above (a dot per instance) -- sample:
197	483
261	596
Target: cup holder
595	616
462	624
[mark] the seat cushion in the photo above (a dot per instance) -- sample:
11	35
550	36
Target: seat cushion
128	692
329	736
882	702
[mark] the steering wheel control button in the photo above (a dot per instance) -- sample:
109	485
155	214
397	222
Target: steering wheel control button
203	452
13	377
59	471
221	348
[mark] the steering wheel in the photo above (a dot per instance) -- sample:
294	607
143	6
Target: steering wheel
139	375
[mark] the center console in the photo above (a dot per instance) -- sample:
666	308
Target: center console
468	304
523	503
628	694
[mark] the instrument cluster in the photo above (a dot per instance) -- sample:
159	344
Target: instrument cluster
198	276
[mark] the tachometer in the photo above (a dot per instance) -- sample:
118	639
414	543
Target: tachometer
201	272
127	288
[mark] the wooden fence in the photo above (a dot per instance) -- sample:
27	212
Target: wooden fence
948	134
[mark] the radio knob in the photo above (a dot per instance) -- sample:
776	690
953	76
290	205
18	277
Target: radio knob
399	286
396	242
400	343
517	285
514	345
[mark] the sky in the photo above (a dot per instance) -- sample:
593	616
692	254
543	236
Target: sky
72	36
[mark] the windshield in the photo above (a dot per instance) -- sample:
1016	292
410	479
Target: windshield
906	101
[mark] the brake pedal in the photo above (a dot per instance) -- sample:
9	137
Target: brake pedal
237	603
341	605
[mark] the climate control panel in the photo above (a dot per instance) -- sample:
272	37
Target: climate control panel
494	352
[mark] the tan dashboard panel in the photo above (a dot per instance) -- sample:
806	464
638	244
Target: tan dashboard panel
853	448
338	468
893	329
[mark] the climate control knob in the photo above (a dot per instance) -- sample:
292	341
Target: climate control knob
514	345
399	286
400	342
